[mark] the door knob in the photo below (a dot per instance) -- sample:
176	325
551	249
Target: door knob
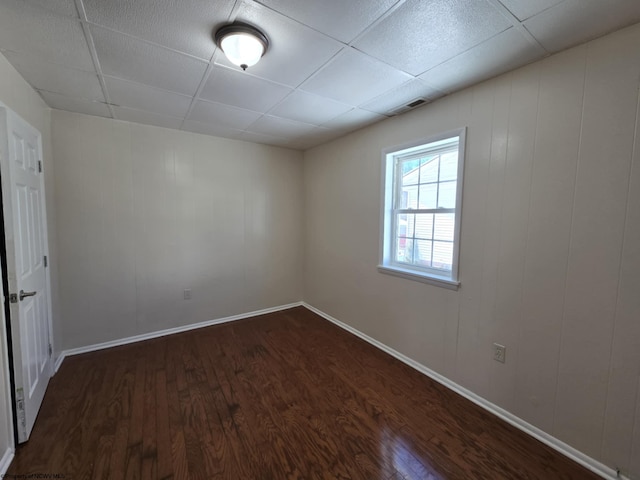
24	294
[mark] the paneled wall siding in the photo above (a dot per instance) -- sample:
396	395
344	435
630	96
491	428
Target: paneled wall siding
550	245
146	213
16	94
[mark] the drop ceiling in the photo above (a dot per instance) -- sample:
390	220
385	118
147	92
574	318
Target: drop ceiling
333	66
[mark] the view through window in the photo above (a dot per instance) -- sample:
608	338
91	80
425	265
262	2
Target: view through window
422	195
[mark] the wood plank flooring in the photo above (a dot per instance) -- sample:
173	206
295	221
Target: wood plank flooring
281	396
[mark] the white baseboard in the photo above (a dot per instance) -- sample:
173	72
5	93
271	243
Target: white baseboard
6	461
59	360
168	331
561	447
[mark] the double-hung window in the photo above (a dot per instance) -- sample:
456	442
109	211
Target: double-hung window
421	210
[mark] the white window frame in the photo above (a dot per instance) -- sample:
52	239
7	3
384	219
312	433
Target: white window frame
389	187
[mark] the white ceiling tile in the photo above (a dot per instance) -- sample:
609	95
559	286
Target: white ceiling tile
147	118
449	43
43	34
354	78
240	89
210	129
134	95
295	51
71	104
419	35
353	119
337	18
263	139
222	115
524	9
279	127
185	26
575	21
500	54
126	57
316	137
55	78
309	108
402	95
62	7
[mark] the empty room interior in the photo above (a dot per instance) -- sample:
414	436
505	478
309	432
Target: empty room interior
266	239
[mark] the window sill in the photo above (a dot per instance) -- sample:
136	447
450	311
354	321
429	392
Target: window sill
424	278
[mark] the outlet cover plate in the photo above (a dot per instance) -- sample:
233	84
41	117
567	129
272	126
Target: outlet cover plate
499	352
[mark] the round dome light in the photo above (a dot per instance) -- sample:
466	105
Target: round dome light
242	44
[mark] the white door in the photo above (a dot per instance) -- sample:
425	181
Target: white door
25	232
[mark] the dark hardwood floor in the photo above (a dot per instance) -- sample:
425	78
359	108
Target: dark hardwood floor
281	396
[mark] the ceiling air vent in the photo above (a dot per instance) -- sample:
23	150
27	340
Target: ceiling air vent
417	102
412	104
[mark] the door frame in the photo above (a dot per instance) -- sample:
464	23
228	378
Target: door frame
7	342
8	254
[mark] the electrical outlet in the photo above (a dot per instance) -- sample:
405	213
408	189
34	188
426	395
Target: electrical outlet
499	352
187	294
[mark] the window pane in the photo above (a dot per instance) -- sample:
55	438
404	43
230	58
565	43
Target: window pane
410	172
404	197
424	225
409	197
422	254
401	226
447	194
429	169
405	226
404	250
444	226
428	196
442	255
449	166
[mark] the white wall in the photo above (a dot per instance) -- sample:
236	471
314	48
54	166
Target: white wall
16	94
145	212
550	247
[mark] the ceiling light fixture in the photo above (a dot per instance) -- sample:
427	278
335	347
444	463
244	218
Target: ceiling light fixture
243	44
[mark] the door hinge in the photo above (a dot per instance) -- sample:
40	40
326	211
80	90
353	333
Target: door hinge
40	166
50	350
46	262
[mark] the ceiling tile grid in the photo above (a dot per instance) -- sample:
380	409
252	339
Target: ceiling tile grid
47	76
361	78
309	108
130	58
222	115
184	26
506	51
331	67
295	50
143	97
406	93
210	129
148	118
43	34
279	127
429	33
524	9
232	86
63	7
575	21
75	104
341	20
